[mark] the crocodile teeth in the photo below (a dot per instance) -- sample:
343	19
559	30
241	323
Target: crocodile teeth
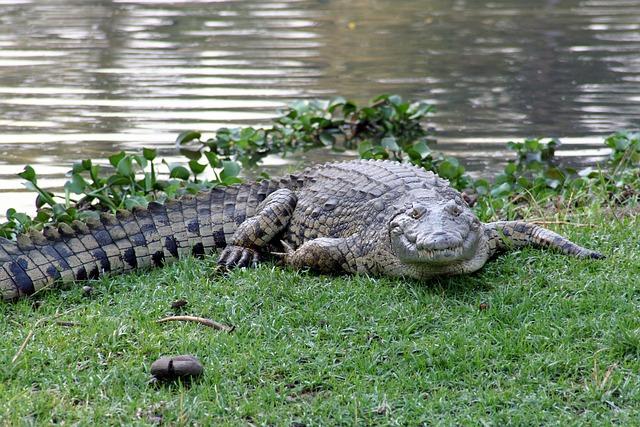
442	253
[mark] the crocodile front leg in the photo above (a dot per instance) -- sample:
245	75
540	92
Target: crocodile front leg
272	216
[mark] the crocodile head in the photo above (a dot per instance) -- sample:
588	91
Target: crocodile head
436	233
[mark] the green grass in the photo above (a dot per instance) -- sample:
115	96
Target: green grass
559	343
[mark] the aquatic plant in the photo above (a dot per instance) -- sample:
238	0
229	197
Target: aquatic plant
388	128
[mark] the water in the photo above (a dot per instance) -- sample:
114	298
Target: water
85	78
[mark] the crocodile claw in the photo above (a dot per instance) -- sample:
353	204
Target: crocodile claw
287	247
238	256
288	250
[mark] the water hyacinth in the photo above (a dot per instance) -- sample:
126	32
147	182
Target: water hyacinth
388	128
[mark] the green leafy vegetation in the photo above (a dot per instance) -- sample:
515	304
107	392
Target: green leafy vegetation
388	128
535	178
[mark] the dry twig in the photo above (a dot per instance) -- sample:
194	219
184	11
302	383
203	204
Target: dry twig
207	322
65	323
33	329
24	344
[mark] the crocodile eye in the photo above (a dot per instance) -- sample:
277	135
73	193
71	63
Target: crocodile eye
453	209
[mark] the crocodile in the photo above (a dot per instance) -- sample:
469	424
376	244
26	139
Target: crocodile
372	217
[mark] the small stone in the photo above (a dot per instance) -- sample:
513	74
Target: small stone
382	409
155	418
177	304
170	368
87	291
484	306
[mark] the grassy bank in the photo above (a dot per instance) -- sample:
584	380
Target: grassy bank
534	338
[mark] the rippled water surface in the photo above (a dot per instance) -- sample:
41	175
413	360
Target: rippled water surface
84	78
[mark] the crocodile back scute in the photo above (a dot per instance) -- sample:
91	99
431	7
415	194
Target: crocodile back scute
344	198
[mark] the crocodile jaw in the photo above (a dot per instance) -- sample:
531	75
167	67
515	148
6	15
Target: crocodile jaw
457	251
427	268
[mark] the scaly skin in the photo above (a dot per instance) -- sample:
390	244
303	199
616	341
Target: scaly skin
371	217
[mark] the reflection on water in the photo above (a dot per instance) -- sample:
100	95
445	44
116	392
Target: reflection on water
84	79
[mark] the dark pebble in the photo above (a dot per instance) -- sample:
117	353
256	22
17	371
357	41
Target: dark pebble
169	368
179	303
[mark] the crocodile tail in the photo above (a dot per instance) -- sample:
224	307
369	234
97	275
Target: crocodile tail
504	235
116	243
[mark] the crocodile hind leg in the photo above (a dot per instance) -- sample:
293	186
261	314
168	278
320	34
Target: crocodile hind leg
503	235
272	216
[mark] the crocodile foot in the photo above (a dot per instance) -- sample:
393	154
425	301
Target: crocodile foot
238	256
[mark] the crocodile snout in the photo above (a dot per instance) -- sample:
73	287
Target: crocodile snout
439	240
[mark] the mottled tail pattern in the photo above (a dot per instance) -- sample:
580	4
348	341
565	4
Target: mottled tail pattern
504	235
118	243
